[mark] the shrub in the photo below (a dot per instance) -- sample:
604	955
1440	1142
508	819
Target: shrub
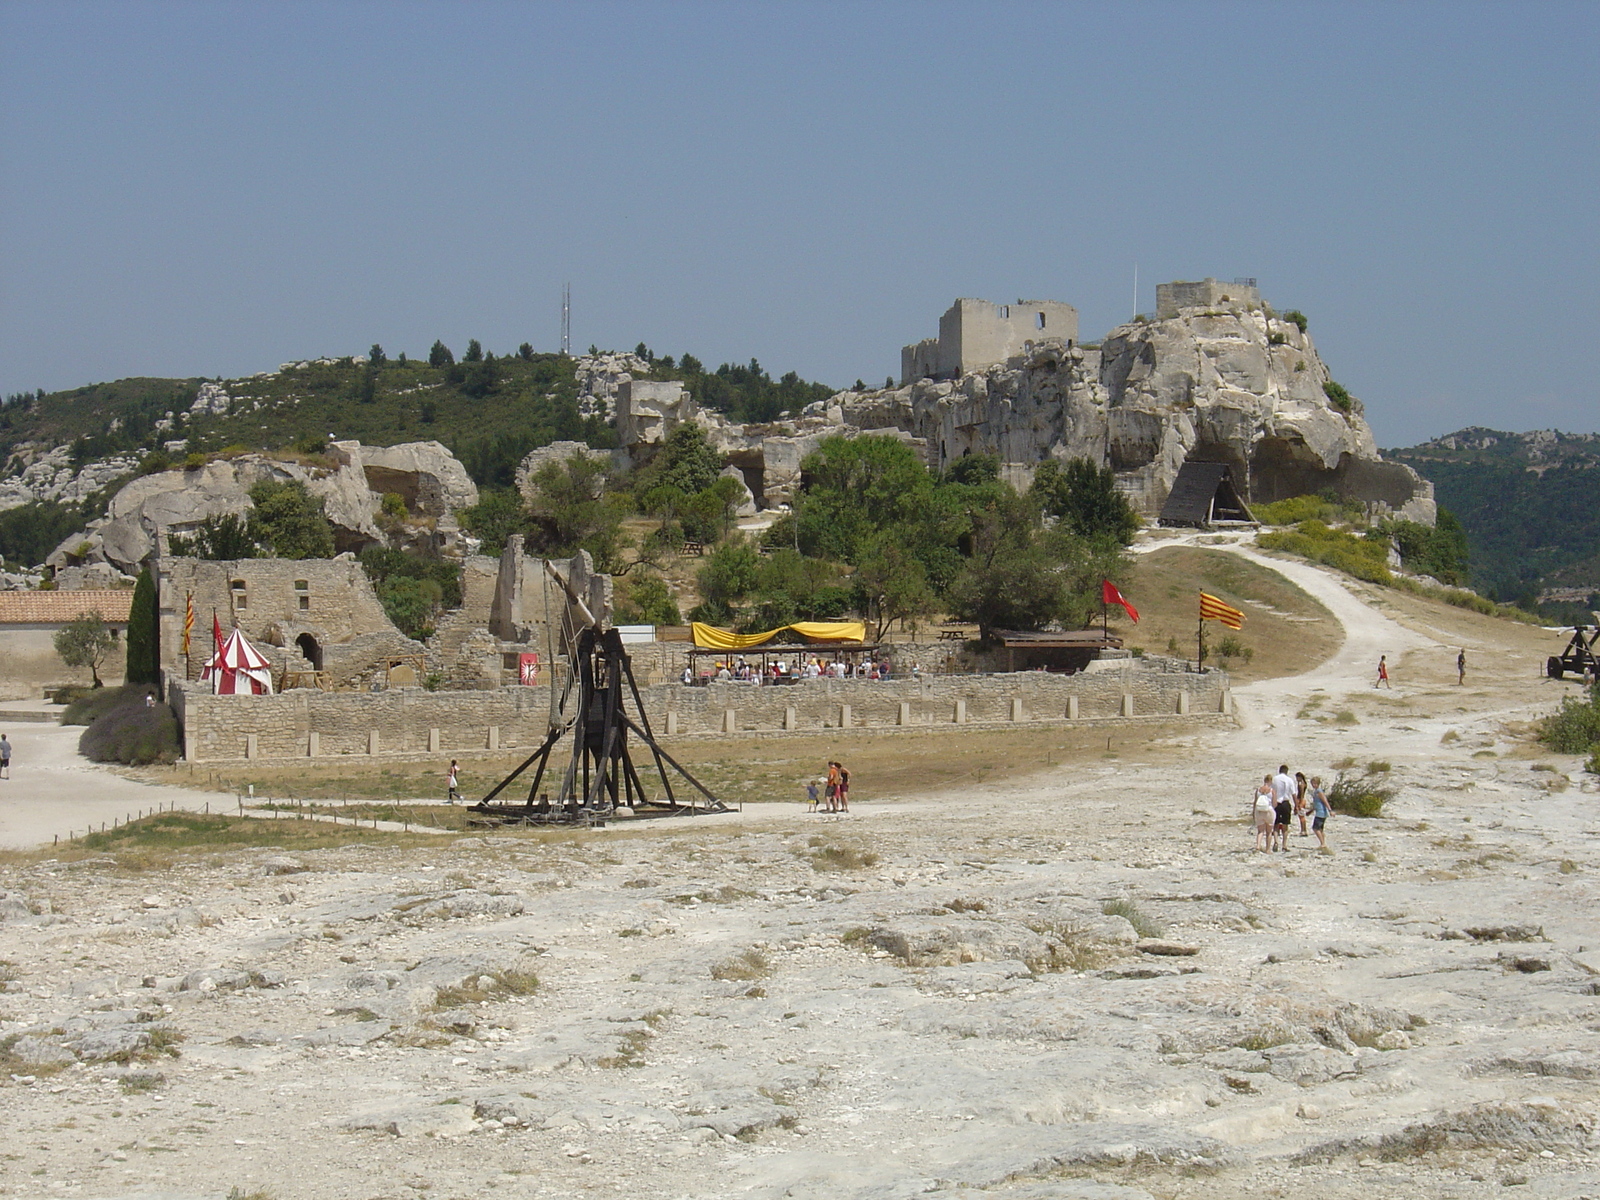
1144	925
1338	396
1361	795
132	732
1574	728
1276	339
86	705
1298	317
1325	506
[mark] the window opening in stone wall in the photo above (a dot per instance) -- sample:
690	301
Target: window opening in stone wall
1005	311
240	599
302	586
1039	321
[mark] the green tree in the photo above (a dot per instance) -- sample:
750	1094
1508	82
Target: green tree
289	521
525	352
86	641
646	600
495	517
412	589
440	356
571	511
474	352
144	660
790	587
376	356
1084	496
222	538
856	487
686	461
892	583
730	574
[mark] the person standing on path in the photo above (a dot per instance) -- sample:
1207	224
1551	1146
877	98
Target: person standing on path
1261	813
812	794
844	787
1461	667
1283	806
5	757
452	793
831	792
1301	804
1383	673
1320	812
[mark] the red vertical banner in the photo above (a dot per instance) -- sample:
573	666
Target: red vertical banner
528	670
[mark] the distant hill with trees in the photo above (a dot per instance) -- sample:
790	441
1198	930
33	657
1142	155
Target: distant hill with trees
1529	504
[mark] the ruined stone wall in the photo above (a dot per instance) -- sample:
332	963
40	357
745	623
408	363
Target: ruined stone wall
411	721
1207	293
335	606
974	334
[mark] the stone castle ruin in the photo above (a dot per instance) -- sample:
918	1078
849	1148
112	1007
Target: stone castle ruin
974	334
1217	376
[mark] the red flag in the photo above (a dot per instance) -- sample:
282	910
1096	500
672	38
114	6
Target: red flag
1110	595
216	633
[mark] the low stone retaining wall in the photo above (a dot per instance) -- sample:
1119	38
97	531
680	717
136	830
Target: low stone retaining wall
409	721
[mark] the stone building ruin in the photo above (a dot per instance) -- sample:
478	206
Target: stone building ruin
974	334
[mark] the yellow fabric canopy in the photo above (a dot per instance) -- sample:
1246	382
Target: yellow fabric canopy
709	637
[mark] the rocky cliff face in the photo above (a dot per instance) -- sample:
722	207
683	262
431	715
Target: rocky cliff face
425	475
1235	386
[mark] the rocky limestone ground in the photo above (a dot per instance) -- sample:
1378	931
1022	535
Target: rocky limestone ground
1087	985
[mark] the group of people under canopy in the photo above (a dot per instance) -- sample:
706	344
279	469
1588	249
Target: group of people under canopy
831	649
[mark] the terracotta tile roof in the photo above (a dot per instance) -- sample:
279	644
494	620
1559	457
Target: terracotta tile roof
55	608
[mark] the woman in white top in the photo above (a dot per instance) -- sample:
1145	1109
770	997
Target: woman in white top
1261	811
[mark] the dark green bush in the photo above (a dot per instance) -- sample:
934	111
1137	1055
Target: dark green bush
1298	317
132	732
1574	728
86	705
1360	795
1338	396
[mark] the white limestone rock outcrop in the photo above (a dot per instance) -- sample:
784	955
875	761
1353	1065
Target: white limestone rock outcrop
1235	385
51	475
425	474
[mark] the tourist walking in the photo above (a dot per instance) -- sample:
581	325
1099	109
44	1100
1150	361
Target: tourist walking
1383	673
812	794
5	757
1461	667
1261	813
452	778
1301	804
1282	806
831	789
1320	811
844	787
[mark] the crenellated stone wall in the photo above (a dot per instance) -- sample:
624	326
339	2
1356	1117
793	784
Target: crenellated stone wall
410	721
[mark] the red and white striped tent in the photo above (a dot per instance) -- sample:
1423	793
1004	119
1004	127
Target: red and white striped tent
238	669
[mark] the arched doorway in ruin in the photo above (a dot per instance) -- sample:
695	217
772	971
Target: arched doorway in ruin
310	650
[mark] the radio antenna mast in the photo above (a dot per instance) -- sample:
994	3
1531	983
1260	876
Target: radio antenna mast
566	320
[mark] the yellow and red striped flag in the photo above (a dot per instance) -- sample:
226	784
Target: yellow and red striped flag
188	620
1212	609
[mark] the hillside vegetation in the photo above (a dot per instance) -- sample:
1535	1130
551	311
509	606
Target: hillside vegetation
1527	503
488	409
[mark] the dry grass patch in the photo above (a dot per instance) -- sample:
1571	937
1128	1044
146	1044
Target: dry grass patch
826	856
748	964
1288	631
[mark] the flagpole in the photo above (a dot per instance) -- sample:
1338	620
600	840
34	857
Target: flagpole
1200	644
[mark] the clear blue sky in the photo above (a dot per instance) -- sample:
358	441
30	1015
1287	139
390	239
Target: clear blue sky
215	188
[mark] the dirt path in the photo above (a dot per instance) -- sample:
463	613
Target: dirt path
52	791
